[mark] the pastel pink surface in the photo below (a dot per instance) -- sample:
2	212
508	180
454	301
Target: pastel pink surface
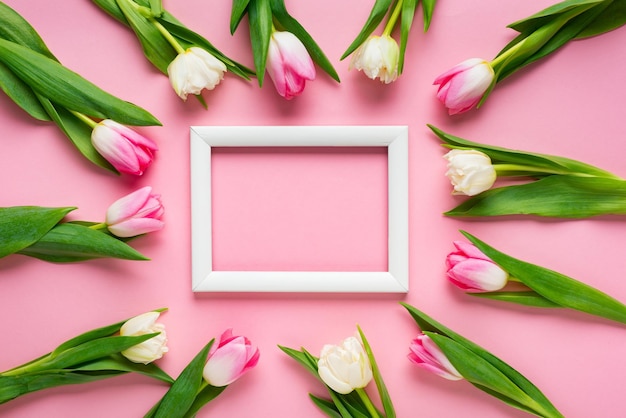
568	104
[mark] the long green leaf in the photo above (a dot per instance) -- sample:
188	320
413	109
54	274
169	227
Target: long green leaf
14	386
406	21
429	8
326	406
378	378
21	94
378	12
477	370
540	18
181	395
526	298
613	17
22	226
237	12
77	131
14	28
427	323
117	362
554	196
301	358
66	243
63	86
551	164
554	286
206	395
260	22
290	24
112	9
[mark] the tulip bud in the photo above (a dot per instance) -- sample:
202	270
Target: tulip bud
124	148
136	213
426	354
149	350
463	86
470	171
378	57
471	270
289	64
346	367
233	356
194	70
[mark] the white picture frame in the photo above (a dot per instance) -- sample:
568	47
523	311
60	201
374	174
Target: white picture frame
206	279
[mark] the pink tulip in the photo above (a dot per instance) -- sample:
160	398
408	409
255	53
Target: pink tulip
426	354
289	64
471	270
233	356
128	151
462	87
135	214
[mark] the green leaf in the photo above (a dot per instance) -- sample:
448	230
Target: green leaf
237	12
21	94
77	131
341	406
155	47
479	371
378	12
429	8
526	298
156	6
378	378
554	286
12	387
550	164
260	22
426	323
181	395
292	25
112	9
63	86
325	406
554	196
206	395
406	21
613	17
544	16
22	226
14	28
301	358
68	242
117	362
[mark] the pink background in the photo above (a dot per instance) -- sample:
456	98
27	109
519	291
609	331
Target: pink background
570	104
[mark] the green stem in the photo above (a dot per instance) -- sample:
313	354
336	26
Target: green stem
504	169
147	13
368	403
101	225
84	118
393	18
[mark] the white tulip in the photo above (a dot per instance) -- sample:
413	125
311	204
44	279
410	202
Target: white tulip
470	171
194	70
346	367
378	57
149	350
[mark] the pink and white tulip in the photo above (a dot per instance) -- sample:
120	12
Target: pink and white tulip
149	350
470	171
136	213
229	360
289	64
463	86
473	271
378	57
126	150
426	354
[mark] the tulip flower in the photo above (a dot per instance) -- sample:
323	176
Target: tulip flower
149	350
289	64
136	213
471	270
128	151
470	171
463	86
426	354
378	57
193	70
345	367
233	356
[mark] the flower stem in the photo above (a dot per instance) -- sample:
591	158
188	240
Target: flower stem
368	403
147	13
508	169
101	225
391	23
84	118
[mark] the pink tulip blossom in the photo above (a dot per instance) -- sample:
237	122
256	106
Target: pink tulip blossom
426	354
233	356
135	214
473	271
128	151
462	87
289	64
